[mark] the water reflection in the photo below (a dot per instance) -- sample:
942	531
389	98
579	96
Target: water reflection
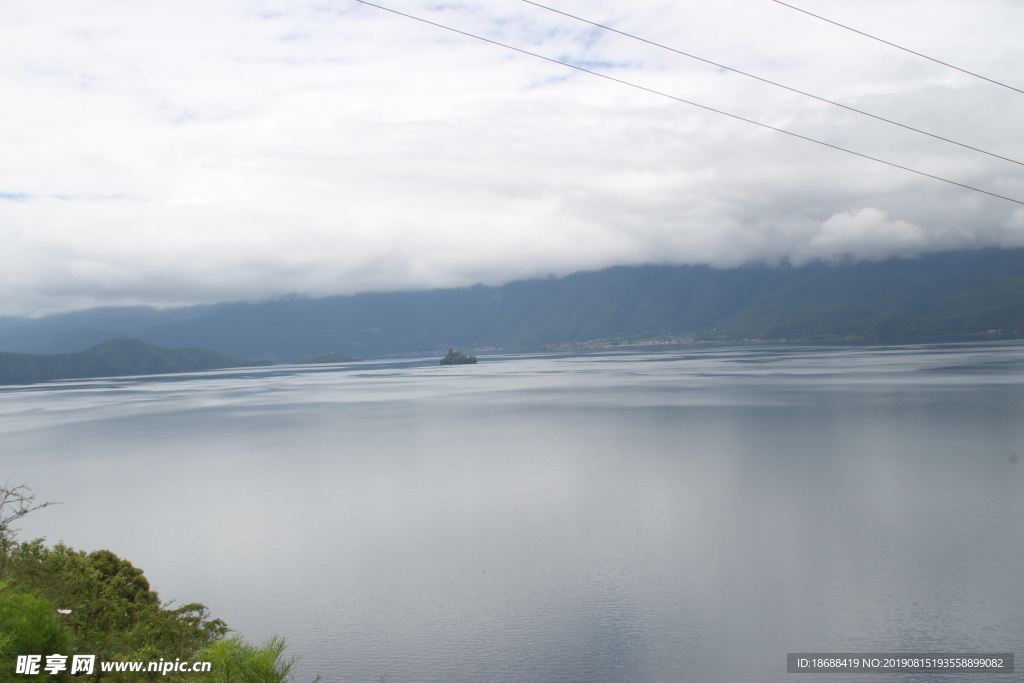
678	516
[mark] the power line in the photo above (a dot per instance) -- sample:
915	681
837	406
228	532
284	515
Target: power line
899	47
765	80
679	99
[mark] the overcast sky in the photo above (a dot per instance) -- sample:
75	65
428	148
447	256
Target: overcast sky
198	151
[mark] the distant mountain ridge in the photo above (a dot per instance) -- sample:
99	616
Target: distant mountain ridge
949	293
113	358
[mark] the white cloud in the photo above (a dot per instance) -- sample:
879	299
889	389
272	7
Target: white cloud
867	234
170	153
1016	221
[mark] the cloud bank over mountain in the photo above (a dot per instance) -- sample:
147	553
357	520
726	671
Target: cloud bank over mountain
195	152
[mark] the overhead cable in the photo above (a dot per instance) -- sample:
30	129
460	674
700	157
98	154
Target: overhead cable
769	82
684	101
900	47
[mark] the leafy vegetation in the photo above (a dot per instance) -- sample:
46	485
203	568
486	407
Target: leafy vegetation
28	624
113	358
60	600
235	660
456	358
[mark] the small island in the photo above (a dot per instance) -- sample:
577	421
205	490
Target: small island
327	358
456	358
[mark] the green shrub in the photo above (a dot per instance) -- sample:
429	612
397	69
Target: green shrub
29	625
236	661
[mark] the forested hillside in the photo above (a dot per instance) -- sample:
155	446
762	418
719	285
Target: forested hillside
953	293
113	358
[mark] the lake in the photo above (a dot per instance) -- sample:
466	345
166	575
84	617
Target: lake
684	515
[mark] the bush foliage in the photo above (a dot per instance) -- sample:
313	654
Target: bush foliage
66	601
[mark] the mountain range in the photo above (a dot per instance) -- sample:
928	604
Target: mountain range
949	293
113	358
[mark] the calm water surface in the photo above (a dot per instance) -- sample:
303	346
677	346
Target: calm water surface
677	516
